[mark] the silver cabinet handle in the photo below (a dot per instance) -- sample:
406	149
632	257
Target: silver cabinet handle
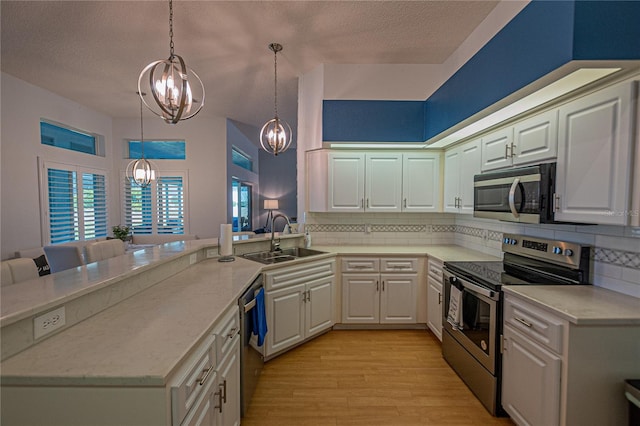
513	150
439	298
377	285
367	203
556	202
506	152
205	375
224	389
382	285
512	197
405	203
219	394
309	296
232	333
361	203
523	322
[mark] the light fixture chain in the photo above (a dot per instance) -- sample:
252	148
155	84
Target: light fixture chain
171	28
275	80
141	131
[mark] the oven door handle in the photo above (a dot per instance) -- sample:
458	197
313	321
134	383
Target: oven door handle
472	288
512	197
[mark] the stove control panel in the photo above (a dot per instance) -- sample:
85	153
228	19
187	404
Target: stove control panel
560	252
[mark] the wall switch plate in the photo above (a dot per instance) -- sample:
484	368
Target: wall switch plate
46	323
193	258
367	228
211	253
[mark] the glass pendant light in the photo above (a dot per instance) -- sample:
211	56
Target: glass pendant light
141	171
172	85
275	136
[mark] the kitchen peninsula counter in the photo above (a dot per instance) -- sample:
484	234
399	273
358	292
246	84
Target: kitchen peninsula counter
443	253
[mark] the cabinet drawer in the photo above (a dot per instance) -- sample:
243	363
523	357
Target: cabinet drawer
360	264
535	323
435	270
227	328
189	383
286	277
398	264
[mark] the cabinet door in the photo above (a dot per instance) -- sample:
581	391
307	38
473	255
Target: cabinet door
319	306
383	183
434	307
346	182
205	411
421	182
230	387
360	298
530	381
285	318
398	298
451	180
470	161
536	139
496	149
593	174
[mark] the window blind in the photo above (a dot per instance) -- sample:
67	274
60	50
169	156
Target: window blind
170	204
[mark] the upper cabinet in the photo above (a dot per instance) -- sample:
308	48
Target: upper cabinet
460	165
594	166
529	141
373	181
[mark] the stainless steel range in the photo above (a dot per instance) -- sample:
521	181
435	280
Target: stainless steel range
472	323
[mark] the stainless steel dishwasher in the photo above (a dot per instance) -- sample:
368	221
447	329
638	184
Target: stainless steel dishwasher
251	355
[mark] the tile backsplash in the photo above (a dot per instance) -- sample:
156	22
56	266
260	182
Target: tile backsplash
615	254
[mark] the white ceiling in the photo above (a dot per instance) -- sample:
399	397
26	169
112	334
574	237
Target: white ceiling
93	51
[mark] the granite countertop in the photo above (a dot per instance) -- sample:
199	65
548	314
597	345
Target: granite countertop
581	304
443	253
141	340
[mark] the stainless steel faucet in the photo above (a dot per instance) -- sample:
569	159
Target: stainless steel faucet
275	246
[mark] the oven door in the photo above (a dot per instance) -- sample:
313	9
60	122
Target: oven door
479	319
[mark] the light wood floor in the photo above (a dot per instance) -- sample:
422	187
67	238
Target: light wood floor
365	377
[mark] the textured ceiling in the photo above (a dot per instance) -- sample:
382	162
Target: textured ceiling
92	51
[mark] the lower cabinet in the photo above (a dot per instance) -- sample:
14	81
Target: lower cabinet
228	406
434	297
377	297
299	304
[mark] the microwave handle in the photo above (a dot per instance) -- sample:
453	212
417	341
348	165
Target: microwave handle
512	197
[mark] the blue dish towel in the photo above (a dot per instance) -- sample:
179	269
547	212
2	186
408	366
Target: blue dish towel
259	318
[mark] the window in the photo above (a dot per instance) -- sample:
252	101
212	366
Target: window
242	206
62	137
241	160
158	150
160	208
75	203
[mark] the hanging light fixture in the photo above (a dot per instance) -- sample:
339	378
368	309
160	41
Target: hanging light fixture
141	172
169	84
275	136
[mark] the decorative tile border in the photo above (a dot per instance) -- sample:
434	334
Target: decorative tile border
399	228
468	230
334	228
443	228
495	236
628	259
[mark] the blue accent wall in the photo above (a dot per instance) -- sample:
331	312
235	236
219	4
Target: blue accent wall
373	121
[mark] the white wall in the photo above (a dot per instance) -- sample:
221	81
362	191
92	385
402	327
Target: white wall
23	105
206	165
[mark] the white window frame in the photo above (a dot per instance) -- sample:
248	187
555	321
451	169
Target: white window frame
154	199
45	223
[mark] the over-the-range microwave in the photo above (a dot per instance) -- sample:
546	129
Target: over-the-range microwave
523	194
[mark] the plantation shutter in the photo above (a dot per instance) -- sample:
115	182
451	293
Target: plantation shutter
63	206
94	202
170	205
138	212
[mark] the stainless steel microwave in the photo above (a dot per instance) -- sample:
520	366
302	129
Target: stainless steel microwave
522	194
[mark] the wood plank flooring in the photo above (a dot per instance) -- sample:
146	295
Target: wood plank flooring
365	377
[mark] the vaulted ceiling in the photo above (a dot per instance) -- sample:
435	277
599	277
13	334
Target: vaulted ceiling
93	51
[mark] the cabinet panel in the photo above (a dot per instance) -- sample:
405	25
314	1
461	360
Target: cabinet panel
203	412
530	381
285	318
346	182
399	264
383	183
360	298
536	324
229	385
434	307
536	139
496	149
319	306
398	299
594	158
451	180
360	264
421	182
470	161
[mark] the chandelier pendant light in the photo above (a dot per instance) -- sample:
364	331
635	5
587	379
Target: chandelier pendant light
276	135
140	171
174	86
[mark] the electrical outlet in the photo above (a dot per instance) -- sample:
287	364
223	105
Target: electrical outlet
193	258
367	228
46	323
211	253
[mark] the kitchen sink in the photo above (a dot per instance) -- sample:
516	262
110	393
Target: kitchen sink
269	257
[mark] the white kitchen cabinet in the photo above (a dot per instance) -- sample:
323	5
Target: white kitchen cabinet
379	291
373	181
529	141
434	297
229	387
421	182
383	182
594	166
299	303
460	165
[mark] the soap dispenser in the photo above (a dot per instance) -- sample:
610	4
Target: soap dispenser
307	239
